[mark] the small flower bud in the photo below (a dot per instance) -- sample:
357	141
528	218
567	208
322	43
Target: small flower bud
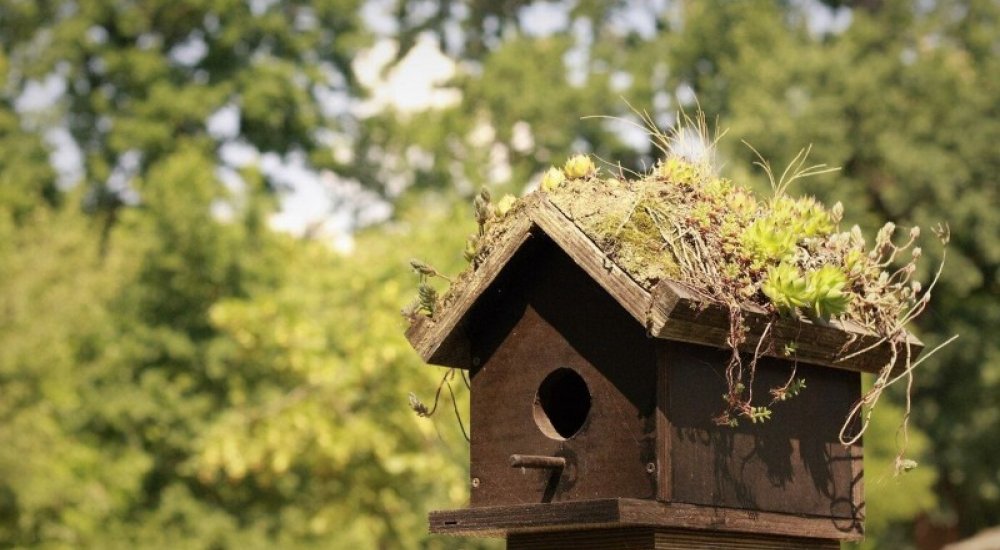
837	212
422	268
857	236
917	252
915	232
942	232
885	234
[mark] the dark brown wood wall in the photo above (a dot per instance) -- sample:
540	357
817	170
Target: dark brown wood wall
792	463
649	433
544	313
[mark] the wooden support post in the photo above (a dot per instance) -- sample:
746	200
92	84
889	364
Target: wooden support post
652	538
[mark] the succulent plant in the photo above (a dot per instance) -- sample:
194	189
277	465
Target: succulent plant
766	241
504	205
786	287
481	208
552	179
826	292
579	166
428	298
471	247
803	216
679	171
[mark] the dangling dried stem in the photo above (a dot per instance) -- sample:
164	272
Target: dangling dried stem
424	412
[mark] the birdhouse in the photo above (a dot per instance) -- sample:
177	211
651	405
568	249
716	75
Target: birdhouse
593	398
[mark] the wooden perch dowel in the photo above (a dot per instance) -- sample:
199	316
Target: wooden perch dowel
535	461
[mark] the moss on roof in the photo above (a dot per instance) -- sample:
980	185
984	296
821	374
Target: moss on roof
683	221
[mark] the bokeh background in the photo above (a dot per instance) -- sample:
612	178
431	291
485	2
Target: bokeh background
207	208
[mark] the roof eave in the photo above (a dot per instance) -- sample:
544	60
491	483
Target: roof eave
671	311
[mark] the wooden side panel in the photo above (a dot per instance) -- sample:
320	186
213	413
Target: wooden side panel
575	243
639	538
685	540
649	538
858	479
792	463
664	466
617	513
542	315
670	310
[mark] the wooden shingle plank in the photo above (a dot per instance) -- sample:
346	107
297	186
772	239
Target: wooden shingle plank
670	311
673	312
691	320
572	240
436	339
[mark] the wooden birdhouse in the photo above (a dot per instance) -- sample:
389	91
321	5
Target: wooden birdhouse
593	400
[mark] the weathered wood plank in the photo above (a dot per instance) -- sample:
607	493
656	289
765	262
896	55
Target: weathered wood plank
669	539
669	311
653	538
591	259
437	340
664	448
858	481
691	516
636	538
691	320
607	513
614	445
499	520
793	464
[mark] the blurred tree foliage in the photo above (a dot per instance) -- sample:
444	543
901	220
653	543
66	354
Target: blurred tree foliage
174	377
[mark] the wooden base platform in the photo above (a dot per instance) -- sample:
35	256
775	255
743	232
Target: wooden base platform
610	514
655	538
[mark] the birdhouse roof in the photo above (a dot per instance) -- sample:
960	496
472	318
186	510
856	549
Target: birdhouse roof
668	309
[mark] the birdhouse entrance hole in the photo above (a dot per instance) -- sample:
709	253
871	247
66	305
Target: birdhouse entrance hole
562	404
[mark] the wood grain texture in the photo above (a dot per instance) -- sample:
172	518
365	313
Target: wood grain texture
652	538
585	539
537	319
664	462
793	463
690	319
591	259
611	513
669	311
681	540
440	341
858	480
